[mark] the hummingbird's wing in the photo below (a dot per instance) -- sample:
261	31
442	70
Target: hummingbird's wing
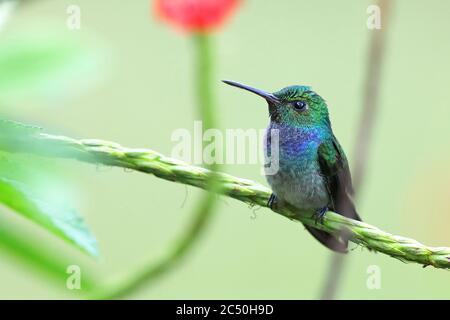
334	167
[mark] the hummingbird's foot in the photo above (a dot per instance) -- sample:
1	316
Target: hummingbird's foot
273	201
319	215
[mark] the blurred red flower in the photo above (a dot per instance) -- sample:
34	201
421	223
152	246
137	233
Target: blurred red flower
200	16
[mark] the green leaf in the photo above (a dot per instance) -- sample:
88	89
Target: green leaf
6	9
10	129
44	204
28	250
42	66
15	134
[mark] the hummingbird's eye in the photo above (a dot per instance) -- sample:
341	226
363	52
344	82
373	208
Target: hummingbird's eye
300	105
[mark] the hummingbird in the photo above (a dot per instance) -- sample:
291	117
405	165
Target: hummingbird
313	171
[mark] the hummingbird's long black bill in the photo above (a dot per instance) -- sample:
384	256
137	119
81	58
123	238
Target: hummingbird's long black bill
266	95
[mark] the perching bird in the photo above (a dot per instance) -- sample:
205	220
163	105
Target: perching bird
313	172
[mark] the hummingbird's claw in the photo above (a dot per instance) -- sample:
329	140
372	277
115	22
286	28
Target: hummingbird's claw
273	201
319	215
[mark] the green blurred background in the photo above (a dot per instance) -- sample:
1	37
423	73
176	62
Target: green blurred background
141	91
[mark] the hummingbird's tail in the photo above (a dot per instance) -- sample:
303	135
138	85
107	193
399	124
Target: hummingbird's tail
328	240
345	208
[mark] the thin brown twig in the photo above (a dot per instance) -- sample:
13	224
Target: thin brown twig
370	108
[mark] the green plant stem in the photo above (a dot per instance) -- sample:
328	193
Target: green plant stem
206	205
148	161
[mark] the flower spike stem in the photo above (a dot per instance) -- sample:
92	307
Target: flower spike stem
151	162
